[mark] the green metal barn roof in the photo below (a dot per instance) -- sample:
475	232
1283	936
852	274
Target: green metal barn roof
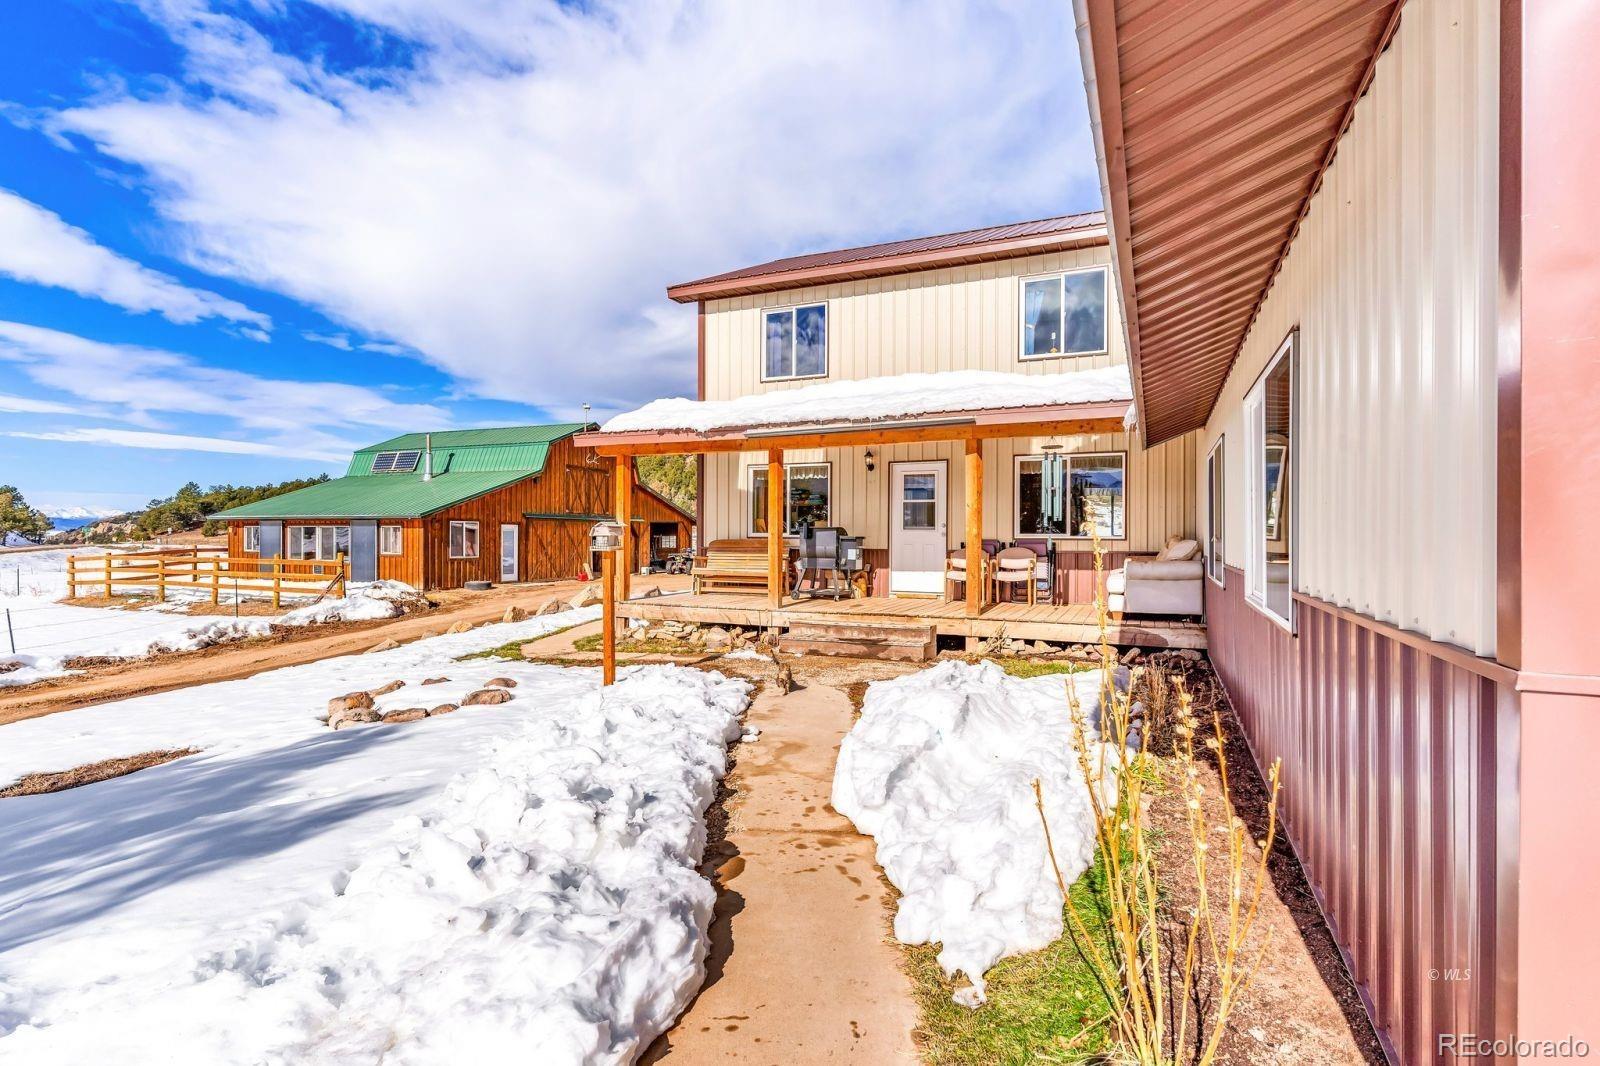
466	463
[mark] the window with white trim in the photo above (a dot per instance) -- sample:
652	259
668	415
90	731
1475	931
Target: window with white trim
1216	485
795	342
809	497
391	540
1269	423
463	540
1071	494
317	542
252	539
1064	314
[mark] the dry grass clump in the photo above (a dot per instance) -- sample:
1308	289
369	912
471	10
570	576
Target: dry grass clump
91	773
1173	974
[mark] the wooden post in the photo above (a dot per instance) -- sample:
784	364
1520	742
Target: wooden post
277	580
72	578
161	579
975	563
216	577
108	575
608	616
776	555
624	503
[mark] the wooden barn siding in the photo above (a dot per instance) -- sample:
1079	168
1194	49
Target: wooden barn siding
406	567
648	508
1400	796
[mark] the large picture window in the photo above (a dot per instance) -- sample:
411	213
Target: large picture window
317	542
1215	516
1269	418
809	497
1064	314
796	340
463	540
1071	495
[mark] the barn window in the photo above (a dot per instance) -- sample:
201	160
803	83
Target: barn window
463	540
390	540
252	538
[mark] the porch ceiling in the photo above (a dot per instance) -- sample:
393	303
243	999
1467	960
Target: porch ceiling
1214	121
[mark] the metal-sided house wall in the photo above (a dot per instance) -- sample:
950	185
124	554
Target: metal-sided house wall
1397	727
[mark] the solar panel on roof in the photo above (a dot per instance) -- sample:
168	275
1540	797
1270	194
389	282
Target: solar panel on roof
395	462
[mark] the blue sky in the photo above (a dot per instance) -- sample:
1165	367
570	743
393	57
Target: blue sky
238	239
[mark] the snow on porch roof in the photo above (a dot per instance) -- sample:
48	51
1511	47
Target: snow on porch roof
872	400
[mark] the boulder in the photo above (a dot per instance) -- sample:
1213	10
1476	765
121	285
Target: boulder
390	687
550	607
487	695
716	637
588	595
352	701
434	680
408	714
388	645
514	614
1041	648
443	708
359	716
460	627
500	682
1130	655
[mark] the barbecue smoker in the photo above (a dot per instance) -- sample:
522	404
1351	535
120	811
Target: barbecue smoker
830	558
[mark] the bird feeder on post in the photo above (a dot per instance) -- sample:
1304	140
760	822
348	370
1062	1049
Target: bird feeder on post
605	538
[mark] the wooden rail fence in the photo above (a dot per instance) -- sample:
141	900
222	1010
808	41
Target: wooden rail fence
209	570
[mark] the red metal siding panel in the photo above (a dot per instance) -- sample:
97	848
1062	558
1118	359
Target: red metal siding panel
1400	795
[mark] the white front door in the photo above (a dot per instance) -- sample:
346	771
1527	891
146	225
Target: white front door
917	541
508	553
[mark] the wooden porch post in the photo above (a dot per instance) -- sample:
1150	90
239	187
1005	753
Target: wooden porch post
608	617
775	525
974	480
624	487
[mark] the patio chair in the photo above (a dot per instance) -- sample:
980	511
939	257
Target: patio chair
955	573
1045	575
1015	568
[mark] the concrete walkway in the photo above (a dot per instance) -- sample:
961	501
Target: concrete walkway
801	968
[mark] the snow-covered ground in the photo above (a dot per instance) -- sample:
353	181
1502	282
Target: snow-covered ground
497	882
940	770
48	634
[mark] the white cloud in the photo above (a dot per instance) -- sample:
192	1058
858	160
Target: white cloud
512	205
180	442
333	340
36	246
314	419
26	406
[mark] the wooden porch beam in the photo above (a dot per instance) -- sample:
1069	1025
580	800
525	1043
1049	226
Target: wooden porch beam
974	486
775	525
624	505
863	438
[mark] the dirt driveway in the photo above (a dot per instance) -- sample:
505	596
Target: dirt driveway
227	662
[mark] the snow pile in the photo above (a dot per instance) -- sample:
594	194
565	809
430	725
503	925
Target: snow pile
535	889
940	770
901	396
365	603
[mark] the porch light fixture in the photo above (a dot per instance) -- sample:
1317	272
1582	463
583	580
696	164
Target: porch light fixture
872	461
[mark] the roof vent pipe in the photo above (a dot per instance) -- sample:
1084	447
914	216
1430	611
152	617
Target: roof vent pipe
427	457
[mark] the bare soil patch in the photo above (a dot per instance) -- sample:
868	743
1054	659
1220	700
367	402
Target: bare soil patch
90	773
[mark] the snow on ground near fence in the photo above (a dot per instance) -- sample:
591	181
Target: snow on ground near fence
47	634
901	396
462	888
940	770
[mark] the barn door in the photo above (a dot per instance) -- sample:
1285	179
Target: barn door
508	553
363	550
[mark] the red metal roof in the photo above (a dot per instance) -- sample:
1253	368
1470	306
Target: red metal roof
1215	120
898	257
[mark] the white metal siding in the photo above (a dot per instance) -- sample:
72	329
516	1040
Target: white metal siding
957	318
1391	283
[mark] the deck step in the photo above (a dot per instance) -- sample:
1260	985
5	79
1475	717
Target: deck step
861	640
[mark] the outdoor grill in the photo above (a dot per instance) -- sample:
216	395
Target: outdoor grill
830	557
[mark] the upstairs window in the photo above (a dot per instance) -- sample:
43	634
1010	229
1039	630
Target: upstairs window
796	343
1269	419
1062	495
808	499
1064	314
395	462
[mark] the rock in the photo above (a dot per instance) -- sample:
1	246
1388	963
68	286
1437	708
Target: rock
549	607
514	614
1130	655
388	645
443	708
408	714
359	716
1041	648
352	701
460	627
584	597
426	633
1189	654
500	682
434	680
390	687
716	637
647	593
487	695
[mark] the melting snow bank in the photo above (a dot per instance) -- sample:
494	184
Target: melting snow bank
940	770
546	902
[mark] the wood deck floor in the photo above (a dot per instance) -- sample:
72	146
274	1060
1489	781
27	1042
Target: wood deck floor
1073	623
